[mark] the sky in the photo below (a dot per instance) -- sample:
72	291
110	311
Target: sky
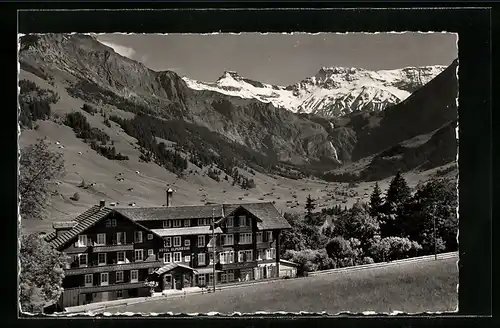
281	59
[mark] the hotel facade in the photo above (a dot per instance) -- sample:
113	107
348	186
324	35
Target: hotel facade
115	251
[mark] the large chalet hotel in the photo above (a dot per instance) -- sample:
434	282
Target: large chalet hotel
114	251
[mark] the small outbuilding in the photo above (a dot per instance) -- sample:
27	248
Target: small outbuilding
288	269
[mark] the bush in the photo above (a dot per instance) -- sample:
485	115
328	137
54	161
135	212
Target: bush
344	252
75	197
393	248
368	260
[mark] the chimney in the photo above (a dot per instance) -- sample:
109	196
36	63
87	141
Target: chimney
169	197
102	203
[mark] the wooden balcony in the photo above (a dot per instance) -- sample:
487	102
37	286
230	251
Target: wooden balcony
91	268
263	244
239	265
238	229
96	289
112	248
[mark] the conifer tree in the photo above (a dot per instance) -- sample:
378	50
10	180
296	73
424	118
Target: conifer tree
399	193
376	201
310	205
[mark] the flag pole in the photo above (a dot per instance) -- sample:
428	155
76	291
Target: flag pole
213	245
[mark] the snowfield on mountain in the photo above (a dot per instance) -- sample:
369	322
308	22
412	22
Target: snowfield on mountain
333	91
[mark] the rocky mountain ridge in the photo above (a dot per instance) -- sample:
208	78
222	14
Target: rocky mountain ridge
332	92
249	129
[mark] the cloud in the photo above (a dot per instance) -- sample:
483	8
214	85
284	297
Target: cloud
122	50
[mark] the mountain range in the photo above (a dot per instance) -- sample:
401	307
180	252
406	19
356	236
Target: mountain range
332	92
323	123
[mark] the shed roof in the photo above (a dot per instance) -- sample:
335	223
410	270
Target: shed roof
171	266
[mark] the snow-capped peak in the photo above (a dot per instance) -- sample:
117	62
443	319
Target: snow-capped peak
332	91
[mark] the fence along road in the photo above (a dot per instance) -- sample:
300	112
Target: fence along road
442	256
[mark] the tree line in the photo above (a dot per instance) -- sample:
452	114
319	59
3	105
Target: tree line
96	138
34	103
399	224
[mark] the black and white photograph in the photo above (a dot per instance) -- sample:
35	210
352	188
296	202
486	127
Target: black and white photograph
238	173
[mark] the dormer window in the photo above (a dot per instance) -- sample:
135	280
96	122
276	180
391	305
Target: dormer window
177	223
167	224
244	222
230	222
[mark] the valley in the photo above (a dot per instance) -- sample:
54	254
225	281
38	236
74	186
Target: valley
250	133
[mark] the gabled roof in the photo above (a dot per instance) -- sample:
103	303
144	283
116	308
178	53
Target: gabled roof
268	215
91	211
84	221
173	212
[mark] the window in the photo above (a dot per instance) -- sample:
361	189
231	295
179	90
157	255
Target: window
134	276
177	223
119	276
187	223
226	257
201	241
187	258
101	239
119	293
82	260
151	252
245	238
167	224
201	280
139	255
120	257
202	222
89	280
223	277
227	240
108	223
150	236
177	241
245	256
104	279
201	258
120	238
243	221
113	222
167	242
270	254
138	237
82	241
249	255
230	221
210	278
261	255
101	258
269	236
177	257
167	257
258	237
187	242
